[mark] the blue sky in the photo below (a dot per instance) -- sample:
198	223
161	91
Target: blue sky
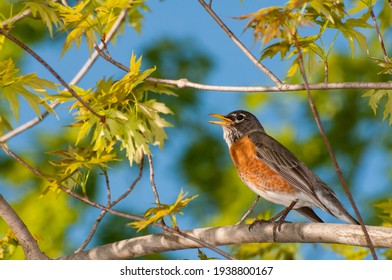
178	19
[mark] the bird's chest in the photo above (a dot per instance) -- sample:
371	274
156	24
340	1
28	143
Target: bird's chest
254	172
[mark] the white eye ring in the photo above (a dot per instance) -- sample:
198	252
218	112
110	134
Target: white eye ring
240	118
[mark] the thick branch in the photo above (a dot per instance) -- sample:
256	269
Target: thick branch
109	210
239	234
26	240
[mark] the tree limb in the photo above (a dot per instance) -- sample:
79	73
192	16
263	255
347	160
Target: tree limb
329	148
51	71
87	65
26	240
185	83
85	199
239	234
242	47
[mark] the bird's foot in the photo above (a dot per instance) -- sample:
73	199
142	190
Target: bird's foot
276	227
258	222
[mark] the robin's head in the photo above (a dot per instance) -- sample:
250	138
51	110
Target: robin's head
237	124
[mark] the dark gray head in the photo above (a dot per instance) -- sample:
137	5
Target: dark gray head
237	124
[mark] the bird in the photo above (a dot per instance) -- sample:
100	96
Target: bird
273	172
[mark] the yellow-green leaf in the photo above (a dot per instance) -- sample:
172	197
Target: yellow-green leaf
154	214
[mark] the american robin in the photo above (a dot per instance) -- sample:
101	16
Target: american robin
273	172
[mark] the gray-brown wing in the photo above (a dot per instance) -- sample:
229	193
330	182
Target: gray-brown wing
287	165
284	162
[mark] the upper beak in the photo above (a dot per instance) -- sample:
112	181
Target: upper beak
225	121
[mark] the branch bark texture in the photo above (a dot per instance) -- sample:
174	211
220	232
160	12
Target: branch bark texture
239	234
26	240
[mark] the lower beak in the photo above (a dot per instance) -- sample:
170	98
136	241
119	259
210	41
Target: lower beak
225	121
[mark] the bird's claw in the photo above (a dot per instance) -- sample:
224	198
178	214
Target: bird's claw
277	225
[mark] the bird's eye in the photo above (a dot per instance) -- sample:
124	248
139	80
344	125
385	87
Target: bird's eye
240	118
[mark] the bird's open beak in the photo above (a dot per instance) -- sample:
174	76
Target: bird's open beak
225	121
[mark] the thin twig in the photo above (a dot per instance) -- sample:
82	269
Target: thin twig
52	71
137	218
100	216
153	185
379	35
246	215
107	184
242	47
326	71
185	83
132	186
87	65
152	180
329	148
18	17
92	232
110	210
103	213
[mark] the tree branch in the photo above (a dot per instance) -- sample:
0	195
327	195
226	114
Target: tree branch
110	210
242	47
18	17
239	234
380	39
152	180
110	205
329	148
52	71
26	240
87	65
247	213
185	83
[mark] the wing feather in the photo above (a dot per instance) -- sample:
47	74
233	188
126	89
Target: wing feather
284	162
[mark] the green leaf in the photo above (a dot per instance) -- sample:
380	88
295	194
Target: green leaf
75	158
385	65
272	50
4	124
47	14
132	120
385	206
349	252
375	96
154	214
202	256
29	86
293	69
8	245
388	108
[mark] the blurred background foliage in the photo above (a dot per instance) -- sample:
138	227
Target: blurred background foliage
200	158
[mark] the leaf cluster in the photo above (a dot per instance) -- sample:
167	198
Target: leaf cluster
132	120
304	23
114	115
89	19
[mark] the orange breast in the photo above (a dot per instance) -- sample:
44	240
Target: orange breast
254	171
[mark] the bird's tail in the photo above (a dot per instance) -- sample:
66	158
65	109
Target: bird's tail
332	205
343	215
